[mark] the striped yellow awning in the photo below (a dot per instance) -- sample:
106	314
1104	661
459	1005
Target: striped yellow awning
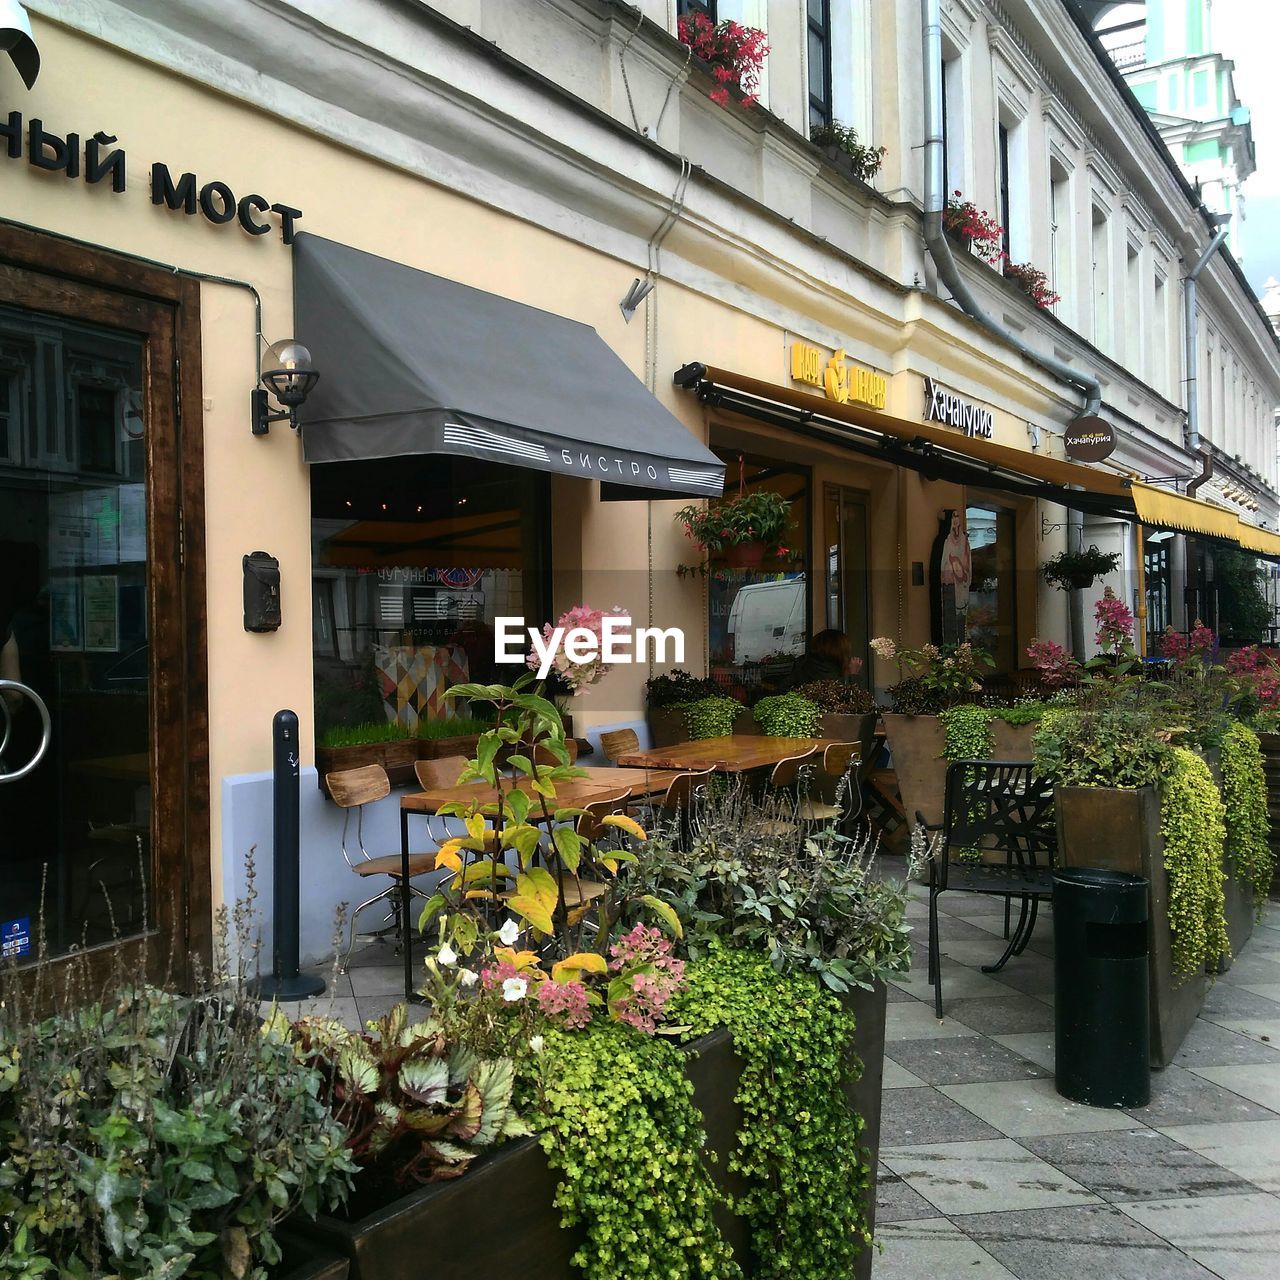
1263	541
1176	511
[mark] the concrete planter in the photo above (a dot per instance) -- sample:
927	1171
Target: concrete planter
917	744
499	1218
667	725
1120	830
1012	741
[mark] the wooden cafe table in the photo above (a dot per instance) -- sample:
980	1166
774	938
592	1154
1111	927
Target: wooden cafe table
735	753
597	783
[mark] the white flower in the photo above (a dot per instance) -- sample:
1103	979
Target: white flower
514	989
509	933
447	956
468	976
535	1043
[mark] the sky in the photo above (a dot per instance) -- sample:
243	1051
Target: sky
1248	32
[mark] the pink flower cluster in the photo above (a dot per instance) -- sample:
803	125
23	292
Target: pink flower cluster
1115	623
493	976
734	54
579	675
1198	647
1261	667
567	1002
643	957
1056	666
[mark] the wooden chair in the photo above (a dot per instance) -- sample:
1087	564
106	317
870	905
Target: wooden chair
618	742
444	772
351	790
840	762
786	780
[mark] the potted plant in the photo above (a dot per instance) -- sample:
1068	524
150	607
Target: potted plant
930	679
787	715
665	695
976	230
1033	282
732	54
743	530
847	711
839	143
456	736
385	742
1077	570
1127	799
144	1126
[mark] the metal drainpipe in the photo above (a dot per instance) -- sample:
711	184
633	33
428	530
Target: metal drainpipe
1192	342
949	274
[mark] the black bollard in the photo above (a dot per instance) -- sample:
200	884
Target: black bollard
285	982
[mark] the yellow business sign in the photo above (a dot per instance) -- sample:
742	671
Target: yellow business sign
840	380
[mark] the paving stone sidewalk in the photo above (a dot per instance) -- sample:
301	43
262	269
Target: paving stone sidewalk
988	1174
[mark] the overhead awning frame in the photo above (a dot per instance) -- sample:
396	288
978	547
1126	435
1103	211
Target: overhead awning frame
942	454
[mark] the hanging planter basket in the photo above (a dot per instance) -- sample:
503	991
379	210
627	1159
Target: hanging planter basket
1082	581
744	555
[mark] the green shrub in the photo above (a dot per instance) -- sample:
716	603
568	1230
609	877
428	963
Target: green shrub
1109	745
711	717
787	715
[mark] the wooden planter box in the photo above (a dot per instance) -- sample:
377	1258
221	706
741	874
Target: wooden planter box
441	748
667	726
305	1261
917	743
499	1218
1120	830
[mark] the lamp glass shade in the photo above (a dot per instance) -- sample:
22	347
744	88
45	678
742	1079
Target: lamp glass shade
288	373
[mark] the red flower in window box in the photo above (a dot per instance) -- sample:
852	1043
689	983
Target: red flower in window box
734	54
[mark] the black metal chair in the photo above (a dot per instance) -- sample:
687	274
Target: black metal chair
998	838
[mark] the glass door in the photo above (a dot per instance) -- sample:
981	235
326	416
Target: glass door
848	593
991	621
93	834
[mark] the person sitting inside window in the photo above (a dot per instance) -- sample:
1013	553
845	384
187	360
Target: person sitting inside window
829	657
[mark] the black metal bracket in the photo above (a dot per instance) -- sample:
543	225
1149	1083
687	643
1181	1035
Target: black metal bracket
261	416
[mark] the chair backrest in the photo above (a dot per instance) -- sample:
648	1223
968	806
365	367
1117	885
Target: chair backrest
682	789
1001	807
839	757
350	788
353	789
433	774
617	742
785	772
542	754
590	824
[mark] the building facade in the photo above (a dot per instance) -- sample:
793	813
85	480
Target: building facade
186	186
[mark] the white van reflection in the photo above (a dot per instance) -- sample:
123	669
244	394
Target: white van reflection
768	618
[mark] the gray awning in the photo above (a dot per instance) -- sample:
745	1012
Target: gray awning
413	363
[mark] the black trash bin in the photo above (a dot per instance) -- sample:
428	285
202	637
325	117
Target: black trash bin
1103	1034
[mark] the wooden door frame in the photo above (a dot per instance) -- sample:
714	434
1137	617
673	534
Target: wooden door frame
47	272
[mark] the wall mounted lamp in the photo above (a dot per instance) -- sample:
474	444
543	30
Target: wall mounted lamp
286	374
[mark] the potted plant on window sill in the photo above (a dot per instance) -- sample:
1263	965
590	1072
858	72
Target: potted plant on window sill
1078	570
388	743
741	530
839	143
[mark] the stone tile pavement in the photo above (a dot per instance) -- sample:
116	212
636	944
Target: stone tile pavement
988	1174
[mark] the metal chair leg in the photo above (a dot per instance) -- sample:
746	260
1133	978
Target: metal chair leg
1030	927
935	957
352	935
1011	949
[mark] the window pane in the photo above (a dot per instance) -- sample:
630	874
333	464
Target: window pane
989	621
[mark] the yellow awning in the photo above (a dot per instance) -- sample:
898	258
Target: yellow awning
1175	511
1263	541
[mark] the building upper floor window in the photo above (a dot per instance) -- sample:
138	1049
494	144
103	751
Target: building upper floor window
818	21
705	7
1005	212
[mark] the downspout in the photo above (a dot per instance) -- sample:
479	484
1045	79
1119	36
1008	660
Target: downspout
1192	339
949	274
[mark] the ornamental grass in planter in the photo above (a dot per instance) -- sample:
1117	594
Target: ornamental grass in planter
387	743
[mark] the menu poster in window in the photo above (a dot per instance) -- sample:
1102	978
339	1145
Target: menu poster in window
133	523
101	613
65	632
102	509
70	530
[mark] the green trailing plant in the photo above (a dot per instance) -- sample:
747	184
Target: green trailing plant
800	1149
711	717
1192	822
865	161
1070	570
359	735
758	516
787	715
616	1118
676	686
967	732
417	1108
840	697
1244	792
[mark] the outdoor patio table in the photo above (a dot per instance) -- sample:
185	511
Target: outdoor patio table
734	753
597	783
